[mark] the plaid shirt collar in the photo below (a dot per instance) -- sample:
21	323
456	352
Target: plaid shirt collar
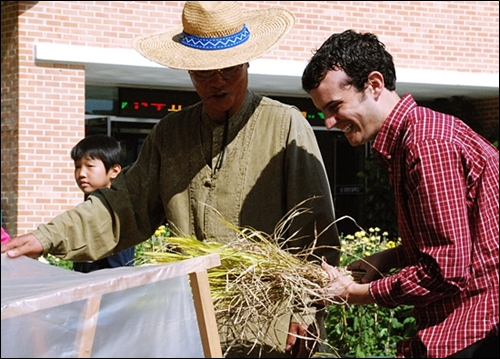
386	141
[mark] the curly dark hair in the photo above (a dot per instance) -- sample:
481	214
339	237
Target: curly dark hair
357	54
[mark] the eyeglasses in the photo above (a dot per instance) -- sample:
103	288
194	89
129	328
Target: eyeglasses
226	73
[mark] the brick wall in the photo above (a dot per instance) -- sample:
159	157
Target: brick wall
49	107
10	91
43	105
437	35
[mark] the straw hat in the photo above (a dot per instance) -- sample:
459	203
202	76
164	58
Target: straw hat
215	35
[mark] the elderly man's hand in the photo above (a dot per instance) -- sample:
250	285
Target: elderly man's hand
302	340
375	266
27	245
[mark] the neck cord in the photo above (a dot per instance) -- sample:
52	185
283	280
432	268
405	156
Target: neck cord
218	165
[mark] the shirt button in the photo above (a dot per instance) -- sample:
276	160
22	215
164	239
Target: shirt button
389	157
208	182
389	169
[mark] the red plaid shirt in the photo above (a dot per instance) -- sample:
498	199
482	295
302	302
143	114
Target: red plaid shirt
445	178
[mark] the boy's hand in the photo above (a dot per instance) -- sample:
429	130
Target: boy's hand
27	245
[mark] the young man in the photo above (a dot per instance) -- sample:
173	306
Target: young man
445	179
249	157
98	160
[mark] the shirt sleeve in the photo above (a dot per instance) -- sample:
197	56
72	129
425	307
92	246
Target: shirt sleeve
437	241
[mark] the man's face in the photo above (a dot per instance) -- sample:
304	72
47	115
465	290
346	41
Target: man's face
352	112
221	90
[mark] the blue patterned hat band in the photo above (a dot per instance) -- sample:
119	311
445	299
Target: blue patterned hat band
215	43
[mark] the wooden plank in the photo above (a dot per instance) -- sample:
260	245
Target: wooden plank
87	333
205	313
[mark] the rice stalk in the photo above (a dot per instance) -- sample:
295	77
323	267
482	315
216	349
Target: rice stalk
261	276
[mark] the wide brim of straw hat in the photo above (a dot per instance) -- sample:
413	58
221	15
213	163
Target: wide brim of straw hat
267	27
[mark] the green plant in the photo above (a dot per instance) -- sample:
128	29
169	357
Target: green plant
58	262
155	243
367	330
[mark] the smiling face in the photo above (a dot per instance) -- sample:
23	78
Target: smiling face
357	114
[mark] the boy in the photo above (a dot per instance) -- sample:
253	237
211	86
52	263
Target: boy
98	161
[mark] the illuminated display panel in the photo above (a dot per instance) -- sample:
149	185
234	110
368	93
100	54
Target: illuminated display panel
146	103
306	106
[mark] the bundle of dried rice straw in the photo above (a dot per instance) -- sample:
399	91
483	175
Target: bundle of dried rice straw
259	279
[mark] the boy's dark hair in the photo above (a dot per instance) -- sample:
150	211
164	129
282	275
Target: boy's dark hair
101	147
356	54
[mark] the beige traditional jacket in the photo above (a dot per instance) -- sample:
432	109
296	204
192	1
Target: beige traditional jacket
191	171
187	173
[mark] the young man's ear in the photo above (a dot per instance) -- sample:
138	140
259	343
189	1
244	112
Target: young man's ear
115	170
375	83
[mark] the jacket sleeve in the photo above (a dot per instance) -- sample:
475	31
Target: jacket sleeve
84	233
112	219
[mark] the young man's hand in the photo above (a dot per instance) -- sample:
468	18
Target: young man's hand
27	245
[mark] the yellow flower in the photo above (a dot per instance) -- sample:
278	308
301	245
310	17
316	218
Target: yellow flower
360	234
390	244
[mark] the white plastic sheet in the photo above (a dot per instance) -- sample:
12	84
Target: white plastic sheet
127	312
